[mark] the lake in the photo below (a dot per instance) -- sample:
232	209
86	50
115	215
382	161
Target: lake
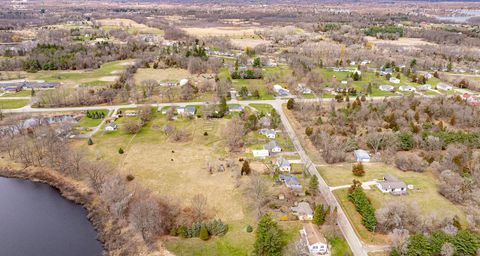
36	220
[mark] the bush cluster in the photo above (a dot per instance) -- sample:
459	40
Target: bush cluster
358	197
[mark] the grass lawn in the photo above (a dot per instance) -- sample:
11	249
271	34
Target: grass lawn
24	93
164	75
252	85
339	247
96	83
90	122
265	108
424	194
8	104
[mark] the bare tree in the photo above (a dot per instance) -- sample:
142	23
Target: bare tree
148	87
234	134
199	207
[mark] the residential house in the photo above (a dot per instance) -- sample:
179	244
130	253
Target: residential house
424	87
190	111
386	71
283	165
390	184
112	126
303	211
280	91
303	89
428	75
130	113
406	88
262	153
316	242
235	108
344	82
444	87
386	88
394	80
361	155
269	133
272	147
291	182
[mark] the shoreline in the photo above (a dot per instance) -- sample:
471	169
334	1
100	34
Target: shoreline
114	234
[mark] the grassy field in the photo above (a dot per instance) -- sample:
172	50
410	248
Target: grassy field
8	104
24	93
424	194
128	25
230	32
339	247
169	74
265	108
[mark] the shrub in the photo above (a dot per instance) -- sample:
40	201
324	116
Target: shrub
205	134
204	233
120	151
90	141
290	103
217	228
410	162
358	169
130	177
405	141
309	131
249	229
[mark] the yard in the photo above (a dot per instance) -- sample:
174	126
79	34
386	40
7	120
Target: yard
91	122
9	104
24	93
161	75
424	194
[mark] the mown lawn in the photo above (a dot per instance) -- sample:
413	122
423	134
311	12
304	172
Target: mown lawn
339	247
10	104
90	122
265	108
24	93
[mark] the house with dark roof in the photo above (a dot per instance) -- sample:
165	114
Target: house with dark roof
283	165
303	211
390	184
291	182
272	147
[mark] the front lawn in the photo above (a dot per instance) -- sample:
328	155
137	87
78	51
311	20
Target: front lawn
10	104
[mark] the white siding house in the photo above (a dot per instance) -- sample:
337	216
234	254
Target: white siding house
315	241
361	155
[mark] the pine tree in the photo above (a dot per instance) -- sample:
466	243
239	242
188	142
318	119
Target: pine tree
268	240
320	215
90	141
313	184
120	151
204	233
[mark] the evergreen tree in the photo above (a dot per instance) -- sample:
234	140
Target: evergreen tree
268	240
32	93
313	184
222	107
290	103
419	246
275	119
466	243
90	141
120	151
203	233
358	169
320	215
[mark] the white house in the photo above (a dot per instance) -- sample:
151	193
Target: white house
394	80
390	184
270	133
344	82
183	82
361	155
406	88
386	88
131	113
283	165
444	87
425	87
303	211
111	127
280	90
262	153
316	242
273	147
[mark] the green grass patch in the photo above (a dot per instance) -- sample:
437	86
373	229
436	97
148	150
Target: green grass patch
24	93
339	247
10	104
265	108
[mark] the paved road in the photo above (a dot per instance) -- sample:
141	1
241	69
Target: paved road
357	247
348	232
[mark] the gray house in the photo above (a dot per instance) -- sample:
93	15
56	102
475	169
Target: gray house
272	147
390	184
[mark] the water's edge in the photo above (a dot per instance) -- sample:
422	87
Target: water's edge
116	238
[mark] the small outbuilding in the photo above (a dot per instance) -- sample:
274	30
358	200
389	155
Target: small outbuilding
361	155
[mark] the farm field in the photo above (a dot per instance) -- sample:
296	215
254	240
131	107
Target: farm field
129	25
161	75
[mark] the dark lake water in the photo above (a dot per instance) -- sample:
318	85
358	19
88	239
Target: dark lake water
36	220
